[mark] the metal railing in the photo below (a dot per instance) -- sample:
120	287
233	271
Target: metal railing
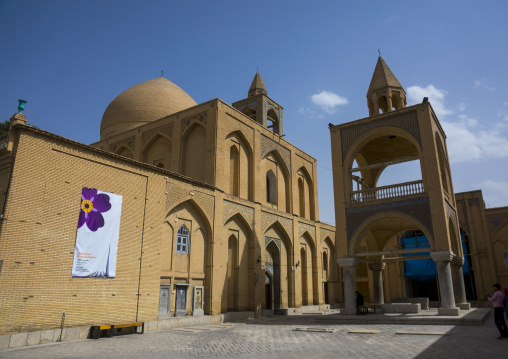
397	190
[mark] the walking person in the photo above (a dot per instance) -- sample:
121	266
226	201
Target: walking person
497	300
506	301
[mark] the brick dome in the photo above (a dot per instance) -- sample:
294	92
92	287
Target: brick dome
142	104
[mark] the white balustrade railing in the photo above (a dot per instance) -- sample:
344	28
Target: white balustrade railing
397	190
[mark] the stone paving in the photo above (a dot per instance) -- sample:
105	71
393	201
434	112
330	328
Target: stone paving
277	338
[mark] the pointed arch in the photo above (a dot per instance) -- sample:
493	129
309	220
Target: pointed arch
193	152
239	295
232	274
197	207
274	161
306	193
250	112
376	138
275	236
124	152
240	217
272	121
199	258
312	268
158	151
239	172
394	222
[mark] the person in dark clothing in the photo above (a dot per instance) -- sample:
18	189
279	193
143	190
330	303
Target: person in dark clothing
497	301
359	299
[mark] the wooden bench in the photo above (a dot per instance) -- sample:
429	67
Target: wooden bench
364	309
97	329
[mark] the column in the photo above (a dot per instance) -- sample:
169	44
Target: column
458	284
444	274
377	279
389	105
348	266
376	105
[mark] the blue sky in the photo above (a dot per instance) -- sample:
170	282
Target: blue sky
69	59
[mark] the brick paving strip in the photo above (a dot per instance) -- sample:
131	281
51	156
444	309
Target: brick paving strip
364	331
320	330
422	333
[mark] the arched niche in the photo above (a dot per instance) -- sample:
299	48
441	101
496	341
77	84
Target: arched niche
306	203
158	152
276	237
239	292
311	269
239	172
193	153
273	162
195	264
124	152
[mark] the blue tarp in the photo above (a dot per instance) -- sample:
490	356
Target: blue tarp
423	270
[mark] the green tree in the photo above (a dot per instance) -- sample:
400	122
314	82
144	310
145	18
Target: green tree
4	127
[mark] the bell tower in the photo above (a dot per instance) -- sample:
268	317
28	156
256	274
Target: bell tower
261	108
371	219
385	91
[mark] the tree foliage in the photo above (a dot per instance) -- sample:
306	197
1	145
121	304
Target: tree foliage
4	127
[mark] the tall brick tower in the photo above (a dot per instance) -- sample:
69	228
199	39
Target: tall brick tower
261	108
369	215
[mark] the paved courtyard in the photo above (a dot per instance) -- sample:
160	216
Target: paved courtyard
286	337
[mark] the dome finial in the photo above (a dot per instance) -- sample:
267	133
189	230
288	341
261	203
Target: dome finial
21	106
162	73
379	52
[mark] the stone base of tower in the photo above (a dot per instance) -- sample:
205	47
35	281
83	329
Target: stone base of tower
448	312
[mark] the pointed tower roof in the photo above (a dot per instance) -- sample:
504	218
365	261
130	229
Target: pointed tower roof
383	77
257	86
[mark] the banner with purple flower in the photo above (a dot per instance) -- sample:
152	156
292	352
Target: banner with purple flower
97	236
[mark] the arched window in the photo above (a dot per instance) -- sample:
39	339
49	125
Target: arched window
271	187
250	112
272	121
182	240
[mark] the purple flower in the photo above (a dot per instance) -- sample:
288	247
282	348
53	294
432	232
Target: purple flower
92	205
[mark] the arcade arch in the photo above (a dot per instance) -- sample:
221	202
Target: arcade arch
374	152
278	262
